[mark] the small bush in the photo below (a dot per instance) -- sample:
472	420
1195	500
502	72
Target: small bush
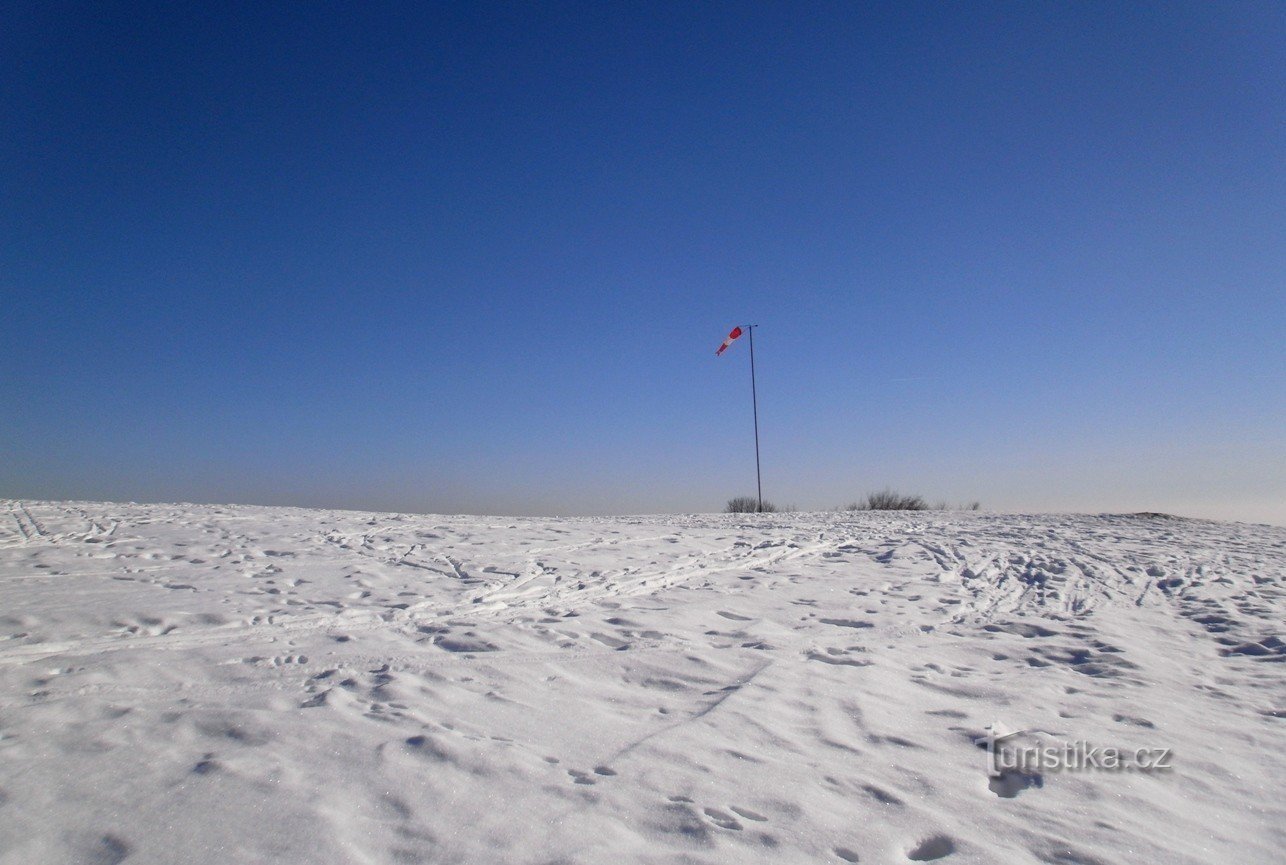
888	500
891	501
748	505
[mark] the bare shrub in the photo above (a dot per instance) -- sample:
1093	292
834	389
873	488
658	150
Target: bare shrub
888	500
748	505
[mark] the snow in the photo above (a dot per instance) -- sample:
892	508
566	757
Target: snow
204	684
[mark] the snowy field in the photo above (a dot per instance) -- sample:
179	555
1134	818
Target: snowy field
203	684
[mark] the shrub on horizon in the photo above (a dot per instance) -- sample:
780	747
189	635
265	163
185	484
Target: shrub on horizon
748	505
888	500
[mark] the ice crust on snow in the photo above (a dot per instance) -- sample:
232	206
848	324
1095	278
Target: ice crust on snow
206	684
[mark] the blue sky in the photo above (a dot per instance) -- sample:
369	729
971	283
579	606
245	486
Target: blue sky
459	257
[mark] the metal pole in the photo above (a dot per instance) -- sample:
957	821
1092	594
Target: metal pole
754	401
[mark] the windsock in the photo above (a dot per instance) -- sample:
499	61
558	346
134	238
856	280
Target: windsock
736	332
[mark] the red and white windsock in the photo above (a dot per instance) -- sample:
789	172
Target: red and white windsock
736	332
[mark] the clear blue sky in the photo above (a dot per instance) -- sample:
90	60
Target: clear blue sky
457	257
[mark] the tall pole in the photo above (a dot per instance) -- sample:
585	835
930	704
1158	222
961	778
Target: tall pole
754	401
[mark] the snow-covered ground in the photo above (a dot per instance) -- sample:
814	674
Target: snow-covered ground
184	683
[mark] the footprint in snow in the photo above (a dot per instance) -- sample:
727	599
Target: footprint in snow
932	848
835	657
748	814
847	623
722	819
610	642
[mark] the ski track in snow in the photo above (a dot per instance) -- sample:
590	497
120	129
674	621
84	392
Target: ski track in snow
241	684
